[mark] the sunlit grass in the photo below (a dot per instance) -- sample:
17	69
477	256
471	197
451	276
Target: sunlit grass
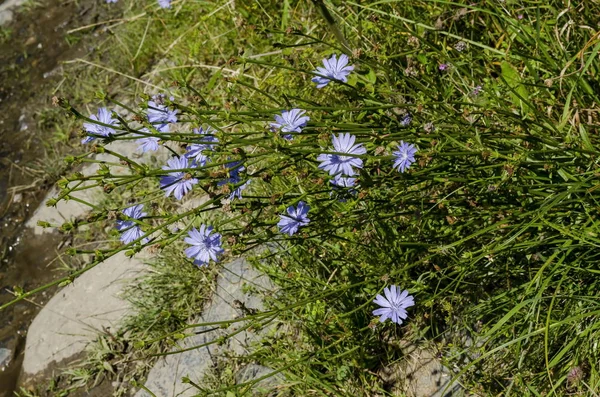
494	229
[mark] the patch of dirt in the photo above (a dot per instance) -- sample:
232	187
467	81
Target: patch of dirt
30	69
103	388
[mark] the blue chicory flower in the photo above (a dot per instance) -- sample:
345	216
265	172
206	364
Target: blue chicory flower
179	182
341	164
131	231
343	185
290	121
333	69
234	168
147	143
405	156
196	151
164	3
237	193
205	245
104	116
343	182
111	1
394	305
476	91
295	218
406	120
159	114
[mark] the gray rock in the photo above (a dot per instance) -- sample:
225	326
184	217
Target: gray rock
69	210
421	374
5	17
77	313
253	372
5	358
228	302
6	10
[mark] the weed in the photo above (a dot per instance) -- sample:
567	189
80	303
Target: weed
493	228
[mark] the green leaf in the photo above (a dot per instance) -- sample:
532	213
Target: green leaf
138	344
213	80
518	90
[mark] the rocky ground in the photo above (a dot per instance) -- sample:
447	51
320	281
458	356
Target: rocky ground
33	45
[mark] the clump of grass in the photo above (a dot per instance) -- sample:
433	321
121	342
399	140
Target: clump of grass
493	228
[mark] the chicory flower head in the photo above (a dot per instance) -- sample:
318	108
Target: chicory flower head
406	120
104	116
393	305
476	91
344	186
342	164
147	143
164	3
179	182
197	151
205	245
342	181
131	231
237	193
405	156
290	121
159	114
332	69
234	168
295	218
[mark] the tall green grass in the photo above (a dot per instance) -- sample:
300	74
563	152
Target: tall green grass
494	230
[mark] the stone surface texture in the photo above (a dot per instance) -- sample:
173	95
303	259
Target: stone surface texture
252	372
78	312
6	10
422	374
228	302
5	358
68	210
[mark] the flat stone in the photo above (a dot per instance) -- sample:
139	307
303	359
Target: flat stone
77	313
253	372
422	374
6	10
5	358
228	302
65	211
6	17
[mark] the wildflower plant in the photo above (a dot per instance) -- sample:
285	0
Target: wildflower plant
344	161
499	202
205	245
160	115
103	128
148	143
294	218
164	3
404	156
290	121
130	230
179	182
393	304
333	68
199	151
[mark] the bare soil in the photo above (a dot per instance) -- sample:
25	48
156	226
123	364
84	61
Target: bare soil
30	70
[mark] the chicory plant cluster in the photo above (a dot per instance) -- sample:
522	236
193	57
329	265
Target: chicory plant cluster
342	162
